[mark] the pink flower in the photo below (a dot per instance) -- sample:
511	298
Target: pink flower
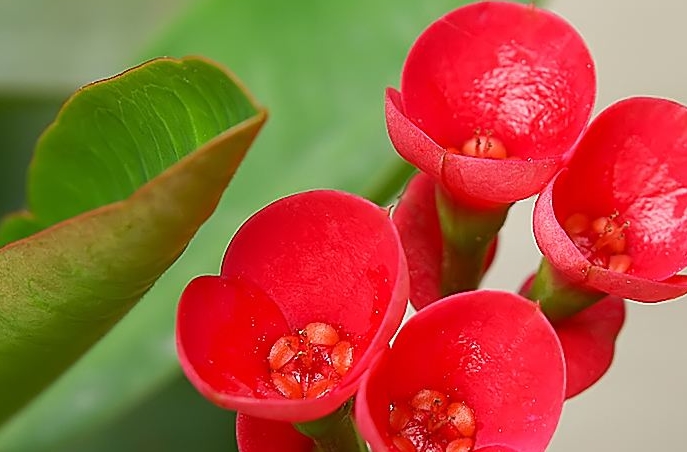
312	287
493	96
482	369
615	220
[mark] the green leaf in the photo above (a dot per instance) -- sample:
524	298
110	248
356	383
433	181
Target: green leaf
146	156
322	68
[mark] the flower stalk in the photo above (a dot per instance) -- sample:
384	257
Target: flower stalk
335	432
469	236
557	296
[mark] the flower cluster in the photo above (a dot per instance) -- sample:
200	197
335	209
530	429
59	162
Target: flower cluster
493	107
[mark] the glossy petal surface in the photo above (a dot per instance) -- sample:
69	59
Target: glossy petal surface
494	350
633	160
321	256
521	73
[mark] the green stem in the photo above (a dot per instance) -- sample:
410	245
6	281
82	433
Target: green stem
558	297
334	433
468	235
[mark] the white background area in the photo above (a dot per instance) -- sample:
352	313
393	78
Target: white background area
641	403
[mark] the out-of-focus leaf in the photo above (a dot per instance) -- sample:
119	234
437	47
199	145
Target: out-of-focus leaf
174	419
322	68
146	155
22	118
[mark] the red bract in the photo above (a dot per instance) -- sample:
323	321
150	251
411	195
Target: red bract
263	435
315	270
493	351
628	173
588	341
517	77
418	226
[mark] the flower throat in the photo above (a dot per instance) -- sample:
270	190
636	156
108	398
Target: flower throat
310	363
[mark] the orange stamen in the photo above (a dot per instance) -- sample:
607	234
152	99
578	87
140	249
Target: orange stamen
428	400
310	364
283	351
430	422
320	334
460	445
602	241
462	418
342	357
576	224
287	385
484	146
318	388
619	263
399	417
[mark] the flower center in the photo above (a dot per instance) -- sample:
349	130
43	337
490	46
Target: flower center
483	146
310	363
430	422
601	241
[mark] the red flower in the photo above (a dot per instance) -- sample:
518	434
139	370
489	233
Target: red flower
311	288
418	226
482	366
494	80
263	435
588	340
615	220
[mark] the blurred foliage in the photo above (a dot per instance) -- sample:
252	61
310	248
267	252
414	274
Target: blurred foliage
175	419
22	119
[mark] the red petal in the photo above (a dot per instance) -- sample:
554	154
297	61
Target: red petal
262	435
325	256
418	226
218	323
320	256
588	340
636	288
494	350
552	240
475	181
633	158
